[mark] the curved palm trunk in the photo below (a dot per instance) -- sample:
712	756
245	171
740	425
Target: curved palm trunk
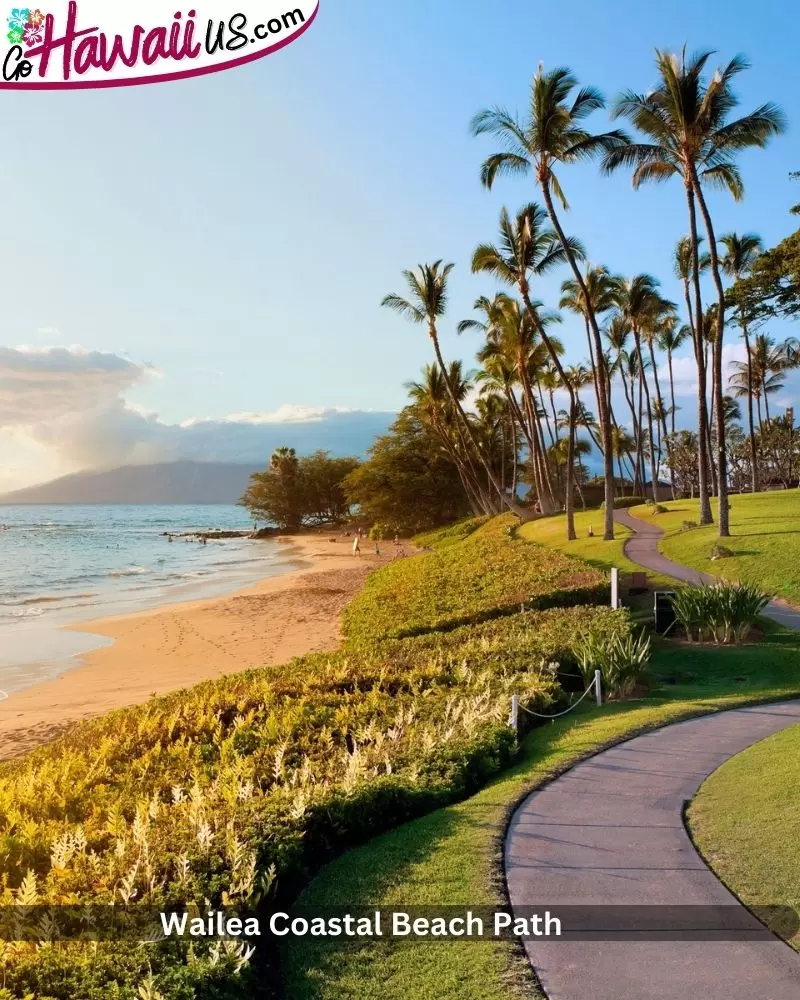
605	424
706	516
663	433
569	489
722	458
544	488
649	410
512	505
750	422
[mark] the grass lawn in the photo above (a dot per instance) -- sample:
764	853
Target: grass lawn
552	532
746	821
450	856
765	538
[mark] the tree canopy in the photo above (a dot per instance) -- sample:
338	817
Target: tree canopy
296	492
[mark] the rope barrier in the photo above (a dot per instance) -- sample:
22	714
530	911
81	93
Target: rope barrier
596	685
558	715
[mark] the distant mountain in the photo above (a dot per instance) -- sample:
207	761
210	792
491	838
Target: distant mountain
172	482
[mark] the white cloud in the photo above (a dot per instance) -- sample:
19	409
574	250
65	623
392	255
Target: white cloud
67	404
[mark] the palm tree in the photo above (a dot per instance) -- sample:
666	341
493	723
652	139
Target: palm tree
689	265
741	253
426	305
511	341
432	401
554	134
600	284
525	249
685	119
671	337
284	462
640	305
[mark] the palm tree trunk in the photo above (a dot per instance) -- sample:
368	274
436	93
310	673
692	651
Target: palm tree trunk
706	516
643	385
663	433
569	499
512	505
671	391
751	426
544	489
605	424
722	458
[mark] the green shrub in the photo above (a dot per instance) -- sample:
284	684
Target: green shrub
486	575
659	508
246	785
447	536
720	552
621	659
723	613
688	525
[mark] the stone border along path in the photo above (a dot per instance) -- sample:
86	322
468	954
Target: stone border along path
610	832
642	548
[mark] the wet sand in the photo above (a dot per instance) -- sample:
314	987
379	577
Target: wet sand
173	647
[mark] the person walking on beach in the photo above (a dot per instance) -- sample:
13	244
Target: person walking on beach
357	546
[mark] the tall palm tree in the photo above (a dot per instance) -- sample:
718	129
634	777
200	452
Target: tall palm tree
432	399
426	305
527	249
686	120
671	337
740	255
641	305
555	134
690	263
600	284
511	341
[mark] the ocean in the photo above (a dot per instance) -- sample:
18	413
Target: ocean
62	565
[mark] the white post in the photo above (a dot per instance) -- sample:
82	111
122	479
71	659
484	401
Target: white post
598	687
614	587
513	719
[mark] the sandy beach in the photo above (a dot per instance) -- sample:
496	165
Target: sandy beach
178	645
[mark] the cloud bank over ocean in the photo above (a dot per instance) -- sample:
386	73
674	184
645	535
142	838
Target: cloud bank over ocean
68	405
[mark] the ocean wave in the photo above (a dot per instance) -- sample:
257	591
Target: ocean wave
24	613
130	571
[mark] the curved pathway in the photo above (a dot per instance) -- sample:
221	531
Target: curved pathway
609	832
642	548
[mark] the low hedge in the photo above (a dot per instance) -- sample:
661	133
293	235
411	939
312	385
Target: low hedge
452	533
487	574
239	789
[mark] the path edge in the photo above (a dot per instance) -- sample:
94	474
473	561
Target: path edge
522	972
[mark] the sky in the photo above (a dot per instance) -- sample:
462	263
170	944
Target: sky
212	253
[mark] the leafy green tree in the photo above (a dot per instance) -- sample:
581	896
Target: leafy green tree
296	492
409	481
772	287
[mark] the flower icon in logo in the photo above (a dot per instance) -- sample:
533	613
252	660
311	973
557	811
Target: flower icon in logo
15	36
33	34
35	18
19	19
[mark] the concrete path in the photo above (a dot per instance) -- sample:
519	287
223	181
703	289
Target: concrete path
642	548
610	832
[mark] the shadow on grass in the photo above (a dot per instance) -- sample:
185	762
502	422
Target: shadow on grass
454	855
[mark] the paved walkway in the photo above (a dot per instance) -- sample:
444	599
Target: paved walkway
642	548
610	832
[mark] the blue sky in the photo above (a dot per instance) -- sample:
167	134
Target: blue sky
238	231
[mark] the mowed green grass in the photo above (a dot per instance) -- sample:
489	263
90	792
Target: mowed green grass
765	540
451	856
746	821
552	532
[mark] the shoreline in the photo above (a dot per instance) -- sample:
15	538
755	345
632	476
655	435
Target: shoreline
177	645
